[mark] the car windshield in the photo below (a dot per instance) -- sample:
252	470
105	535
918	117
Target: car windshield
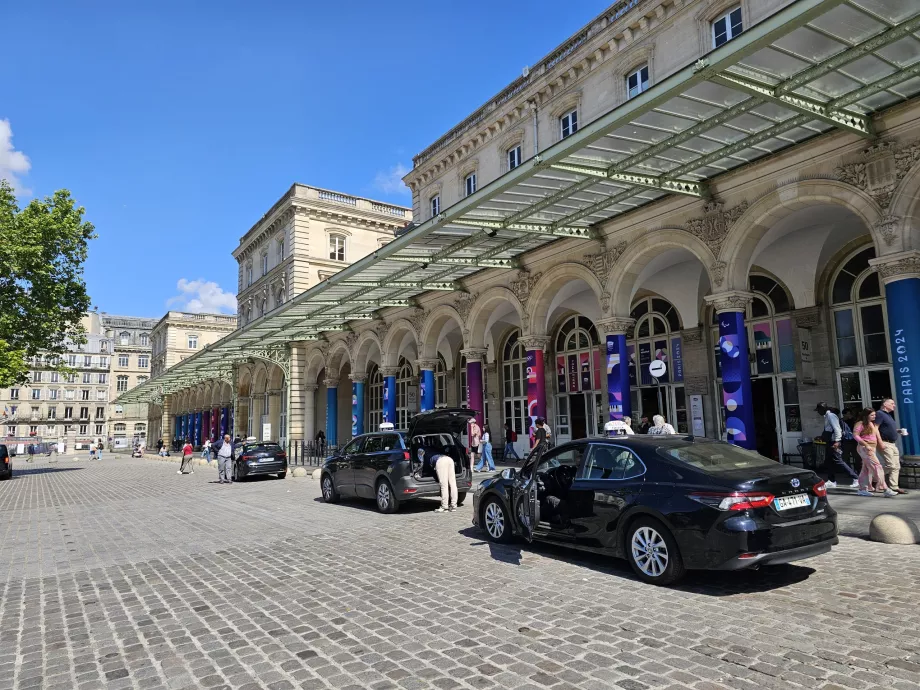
715	457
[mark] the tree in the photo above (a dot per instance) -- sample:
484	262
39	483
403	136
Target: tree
42	293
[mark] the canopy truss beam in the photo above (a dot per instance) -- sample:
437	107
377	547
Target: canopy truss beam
665	183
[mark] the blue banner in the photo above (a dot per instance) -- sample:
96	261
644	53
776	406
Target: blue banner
389	399
618	399
357	408
736	380
677	359
903	298
426	390
332	416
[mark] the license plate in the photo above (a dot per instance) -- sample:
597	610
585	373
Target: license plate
266	459
796	501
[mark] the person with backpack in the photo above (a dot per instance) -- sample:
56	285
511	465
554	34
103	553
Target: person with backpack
833	456
510	438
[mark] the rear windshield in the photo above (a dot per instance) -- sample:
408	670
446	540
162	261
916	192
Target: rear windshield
261	446
716	457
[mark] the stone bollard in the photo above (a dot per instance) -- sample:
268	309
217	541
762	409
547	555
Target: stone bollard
317	473
888	528
298	472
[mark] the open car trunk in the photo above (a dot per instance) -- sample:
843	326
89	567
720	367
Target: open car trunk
438	433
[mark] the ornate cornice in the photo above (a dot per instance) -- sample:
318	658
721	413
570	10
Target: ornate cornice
311	387
331	383
429	364
616	325
358	378
474	354
389	371
535	342
807	317
713	227
880	168
692	336
900	266
734	300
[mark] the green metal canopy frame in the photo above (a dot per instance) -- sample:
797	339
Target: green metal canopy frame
810	68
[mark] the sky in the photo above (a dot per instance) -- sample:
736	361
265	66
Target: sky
177	125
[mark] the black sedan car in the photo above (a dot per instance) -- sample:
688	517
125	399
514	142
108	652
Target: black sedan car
258	458
6	462
394	466
665	503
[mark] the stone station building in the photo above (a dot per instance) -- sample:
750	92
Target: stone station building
730	188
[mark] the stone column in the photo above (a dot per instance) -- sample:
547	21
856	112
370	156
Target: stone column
309	412
900	274
357	403
332	411
618	398
426	383
474	365
389	393
296	410
536	378
696	356
736	367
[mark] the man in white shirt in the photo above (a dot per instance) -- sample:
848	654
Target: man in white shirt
225	461
833	455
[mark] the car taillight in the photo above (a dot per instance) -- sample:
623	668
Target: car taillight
282	455
735	500
406	455
820	489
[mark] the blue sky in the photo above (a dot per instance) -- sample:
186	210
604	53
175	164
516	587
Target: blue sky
177	124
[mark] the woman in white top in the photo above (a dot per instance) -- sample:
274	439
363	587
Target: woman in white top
660	427
486	450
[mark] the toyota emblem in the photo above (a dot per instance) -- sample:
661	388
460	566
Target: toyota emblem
795	483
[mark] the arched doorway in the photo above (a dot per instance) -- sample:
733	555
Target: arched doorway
860	333
656	337
514	388
774	386
580	408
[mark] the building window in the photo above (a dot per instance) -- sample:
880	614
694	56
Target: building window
33	431
568	124
580	408
435	205
120	428
374	403
55	377
71	360
36	377
86	377
104	346
104	362
514	385
145	339
469	184
11	430
52	413
84	429
264	263
403	383
36	394
141	379
99	430
248	275
121	384
84	413
100	412
122	360
68	413
337	247
727	27
124	337
637	82
281	249
514	157
14	394
87	360
103	378
53	394
143	362
193	342
101	394
69	394
84	394
440	383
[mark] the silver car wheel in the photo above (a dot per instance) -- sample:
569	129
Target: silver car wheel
649	551
495	520
327	488
383	496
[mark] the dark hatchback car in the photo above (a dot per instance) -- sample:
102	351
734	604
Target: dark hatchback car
260	458
395	466
664	503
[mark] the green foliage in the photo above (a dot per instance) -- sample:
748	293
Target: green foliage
42	293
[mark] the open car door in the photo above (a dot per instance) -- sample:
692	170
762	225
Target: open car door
527	501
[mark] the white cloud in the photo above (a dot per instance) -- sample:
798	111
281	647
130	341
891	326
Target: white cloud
202	296
12	163
390	181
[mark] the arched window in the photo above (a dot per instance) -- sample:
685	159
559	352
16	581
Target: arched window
124	338
140	426
656	336
860	325
514	387
440	383
462	393
579	400
374	401
403	383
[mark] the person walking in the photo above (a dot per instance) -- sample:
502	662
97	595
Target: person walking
447	478
891	457
159	446
31	451
486	447
833	456
206	450
869	439
475	440
320	441
99	447
510	438
660	427
224	449
187	452
92	450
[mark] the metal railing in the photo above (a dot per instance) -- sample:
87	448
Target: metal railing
309	453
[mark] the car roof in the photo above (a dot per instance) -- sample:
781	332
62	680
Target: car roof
647	441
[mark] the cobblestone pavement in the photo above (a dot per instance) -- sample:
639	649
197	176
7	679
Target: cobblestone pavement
122	574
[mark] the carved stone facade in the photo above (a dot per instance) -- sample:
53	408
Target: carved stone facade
712	228
898	266
734	300
523	284
880	168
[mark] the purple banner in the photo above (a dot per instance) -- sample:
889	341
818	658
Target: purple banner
617	377
536	387
677	360
474	388
736	380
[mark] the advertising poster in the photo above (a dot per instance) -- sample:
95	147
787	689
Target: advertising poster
736	380
573	373
677	360
560	373
661	353
585	362
903	296
617	377
536	388
763	347
645	358
631	364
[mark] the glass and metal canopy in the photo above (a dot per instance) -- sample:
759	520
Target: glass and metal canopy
812	67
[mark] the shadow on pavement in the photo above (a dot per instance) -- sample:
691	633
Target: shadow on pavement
707	582
413	507
19	471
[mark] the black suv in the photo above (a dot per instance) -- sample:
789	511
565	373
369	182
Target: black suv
6	462
260	457
395	466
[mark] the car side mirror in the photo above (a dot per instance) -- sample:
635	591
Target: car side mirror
509	473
